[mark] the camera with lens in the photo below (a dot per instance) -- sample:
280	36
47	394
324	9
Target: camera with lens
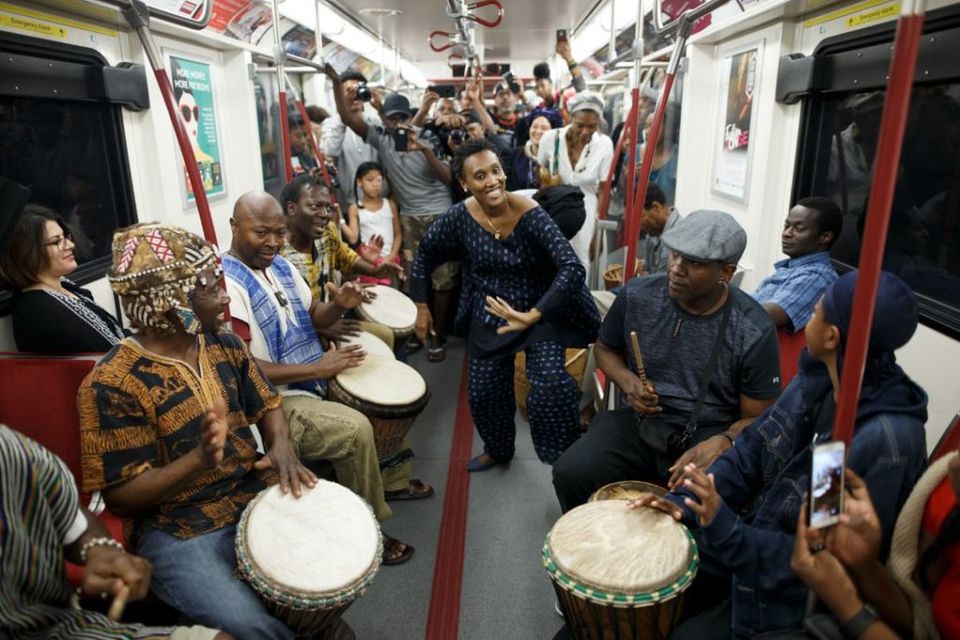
457	136
364	93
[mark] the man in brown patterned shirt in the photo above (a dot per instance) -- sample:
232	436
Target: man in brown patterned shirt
165	429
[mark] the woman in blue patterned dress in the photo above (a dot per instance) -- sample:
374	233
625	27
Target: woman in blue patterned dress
523	289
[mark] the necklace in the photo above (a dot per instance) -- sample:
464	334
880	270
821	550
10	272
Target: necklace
496	229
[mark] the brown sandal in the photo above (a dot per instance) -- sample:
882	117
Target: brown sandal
416	490
396	552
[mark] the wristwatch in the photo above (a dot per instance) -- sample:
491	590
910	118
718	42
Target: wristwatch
855	626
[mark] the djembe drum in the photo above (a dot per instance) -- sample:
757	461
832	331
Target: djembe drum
371	344
390	393
390	308
309	558
627	490
619	573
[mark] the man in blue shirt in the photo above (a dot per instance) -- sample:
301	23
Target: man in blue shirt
809	231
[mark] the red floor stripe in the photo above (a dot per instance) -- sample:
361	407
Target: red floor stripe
443	618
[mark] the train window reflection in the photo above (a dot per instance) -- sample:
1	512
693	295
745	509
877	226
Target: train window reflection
264	86
923	246
65	156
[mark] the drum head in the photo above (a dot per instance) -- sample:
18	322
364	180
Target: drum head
627	490
629	555
325	542
373	345
390	308
383	381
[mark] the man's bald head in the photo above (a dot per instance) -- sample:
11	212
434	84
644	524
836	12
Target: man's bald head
258	228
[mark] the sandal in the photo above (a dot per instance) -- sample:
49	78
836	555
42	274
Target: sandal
416	490
396	552
412	345
436	354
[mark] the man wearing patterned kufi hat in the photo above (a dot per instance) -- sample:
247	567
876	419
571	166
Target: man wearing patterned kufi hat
165	432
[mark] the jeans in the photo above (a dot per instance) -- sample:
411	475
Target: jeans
197	576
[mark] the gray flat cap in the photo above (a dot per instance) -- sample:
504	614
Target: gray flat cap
707	236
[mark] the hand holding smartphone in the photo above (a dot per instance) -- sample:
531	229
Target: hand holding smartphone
826	484
401	138
561	35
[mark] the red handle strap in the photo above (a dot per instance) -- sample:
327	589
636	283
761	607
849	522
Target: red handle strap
486	3
451	40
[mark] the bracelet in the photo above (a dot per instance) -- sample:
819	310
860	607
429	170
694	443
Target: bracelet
97	542
572	65
729	437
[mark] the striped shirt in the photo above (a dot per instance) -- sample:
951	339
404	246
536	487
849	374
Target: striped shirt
796	285
38	504
140	411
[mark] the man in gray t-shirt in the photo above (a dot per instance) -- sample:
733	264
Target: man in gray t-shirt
678	317
419	178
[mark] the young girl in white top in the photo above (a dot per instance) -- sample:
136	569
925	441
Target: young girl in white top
373	220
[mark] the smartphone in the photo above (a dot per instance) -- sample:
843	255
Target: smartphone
561	34
511	81
443	90
826	484
400	139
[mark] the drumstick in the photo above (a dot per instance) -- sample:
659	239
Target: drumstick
641	372
119	603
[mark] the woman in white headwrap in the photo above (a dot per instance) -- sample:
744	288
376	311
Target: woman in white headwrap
580	155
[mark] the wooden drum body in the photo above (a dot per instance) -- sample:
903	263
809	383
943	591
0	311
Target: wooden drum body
619	573
575	362
308	558
390	308
390	393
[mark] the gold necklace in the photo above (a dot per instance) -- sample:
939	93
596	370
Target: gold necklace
496	229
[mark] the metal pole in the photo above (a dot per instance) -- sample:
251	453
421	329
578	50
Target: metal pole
896	106
278	58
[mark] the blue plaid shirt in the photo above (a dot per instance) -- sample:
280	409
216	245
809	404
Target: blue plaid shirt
796	285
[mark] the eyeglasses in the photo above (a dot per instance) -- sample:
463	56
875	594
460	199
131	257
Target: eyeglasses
186	112
61	242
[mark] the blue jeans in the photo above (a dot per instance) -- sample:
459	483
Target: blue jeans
198	577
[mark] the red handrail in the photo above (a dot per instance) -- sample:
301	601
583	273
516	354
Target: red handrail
896	106
608	183
321	160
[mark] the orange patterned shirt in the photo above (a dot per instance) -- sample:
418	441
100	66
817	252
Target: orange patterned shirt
140	411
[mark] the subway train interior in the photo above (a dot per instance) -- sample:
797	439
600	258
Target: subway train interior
222	117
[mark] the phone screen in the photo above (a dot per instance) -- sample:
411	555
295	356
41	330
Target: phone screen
826	485
400	139
444	90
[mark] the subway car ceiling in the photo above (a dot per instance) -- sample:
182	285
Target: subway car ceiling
138	175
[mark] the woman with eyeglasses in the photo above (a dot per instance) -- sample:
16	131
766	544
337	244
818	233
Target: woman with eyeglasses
51	314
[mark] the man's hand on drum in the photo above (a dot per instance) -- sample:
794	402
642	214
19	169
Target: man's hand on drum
424	324
703	487
643	397
342	328
702	456
337	360
290	471
109	569
658	503
516	320
213	435
348	295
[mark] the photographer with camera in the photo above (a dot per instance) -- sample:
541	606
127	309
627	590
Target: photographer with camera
551	98
343	144
415	164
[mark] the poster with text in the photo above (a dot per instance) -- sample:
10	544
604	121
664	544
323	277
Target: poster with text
193	90
739	76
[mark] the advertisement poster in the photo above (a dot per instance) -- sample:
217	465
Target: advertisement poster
250	23
193	90
739	80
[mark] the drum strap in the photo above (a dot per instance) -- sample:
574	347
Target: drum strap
690	427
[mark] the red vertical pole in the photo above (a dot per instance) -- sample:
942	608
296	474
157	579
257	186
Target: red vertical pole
896	106
632	129
285	137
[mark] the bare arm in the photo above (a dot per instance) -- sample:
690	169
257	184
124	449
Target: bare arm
397	231
439	169
750	410
154	486
778	315
280	374
353	120
576	76
475	95
426	103
879	589
352	230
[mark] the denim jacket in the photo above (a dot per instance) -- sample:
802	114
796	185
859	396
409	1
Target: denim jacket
762	480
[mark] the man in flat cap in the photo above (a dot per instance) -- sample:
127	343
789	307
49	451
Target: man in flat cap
709	367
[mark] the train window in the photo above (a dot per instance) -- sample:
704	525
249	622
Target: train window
837	157
264	87
66	155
